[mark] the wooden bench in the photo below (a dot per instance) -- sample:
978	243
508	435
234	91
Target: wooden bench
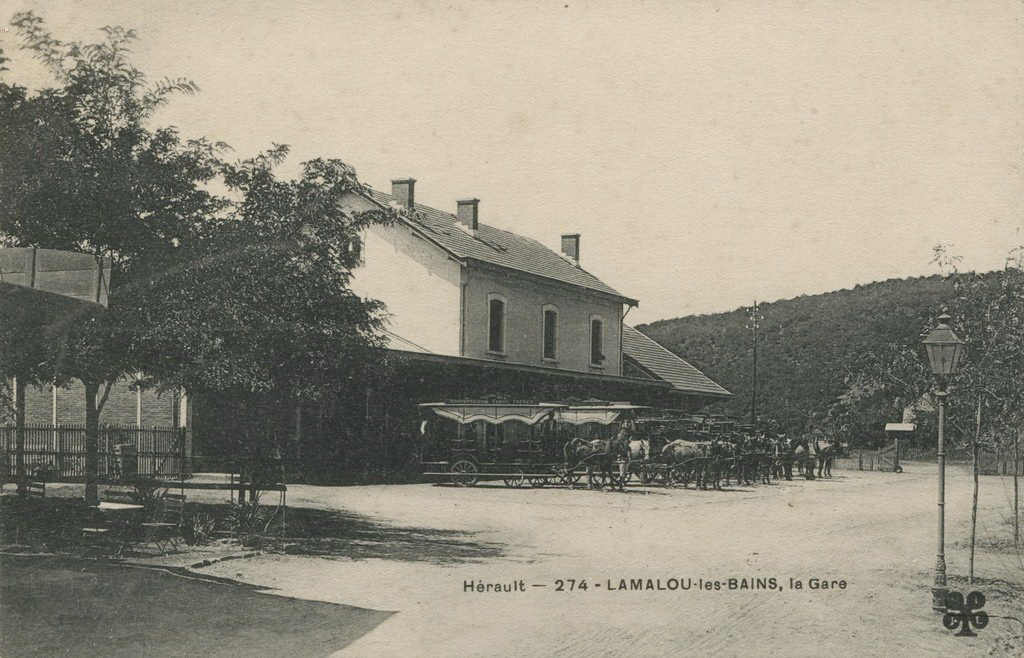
35	489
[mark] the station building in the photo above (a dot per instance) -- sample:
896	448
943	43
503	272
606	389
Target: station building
476	312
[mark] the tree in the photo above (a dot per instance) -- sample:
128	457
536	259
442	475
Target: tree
880	383
988	312
261	314
80	171
243	295
991	320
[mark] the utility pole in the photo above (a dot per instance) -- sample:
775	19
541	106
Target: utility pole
754	318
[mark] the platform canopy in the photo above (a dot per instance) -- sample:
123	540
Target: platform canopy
601	414
495	414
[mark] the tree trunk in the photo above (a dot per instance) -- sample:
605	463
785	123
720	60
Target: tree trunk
19	435
974	498
92	443
241	423
1016	490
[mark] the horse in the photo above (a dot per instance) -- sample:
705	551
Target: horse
692	457
639	449
804	456
752	460
603	453
781	459
761	458
790	451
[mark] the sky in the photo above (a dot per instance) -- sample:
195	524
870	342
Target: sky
710	153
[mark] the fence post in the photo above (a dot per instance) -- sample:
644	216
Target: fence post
58	435
184	468
19	433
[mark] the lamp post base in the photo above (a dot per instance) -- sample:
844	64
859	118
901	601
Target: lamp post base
939	588
939	598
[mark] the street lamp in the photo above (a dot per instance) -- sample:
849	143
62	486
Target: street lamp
945	351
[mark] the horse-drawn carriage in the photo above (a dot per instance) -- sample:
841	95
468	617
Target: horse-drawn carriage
612	443
466	442
524	444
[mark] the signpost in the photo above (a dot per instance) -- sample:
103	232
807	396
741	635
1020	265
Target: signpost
897	428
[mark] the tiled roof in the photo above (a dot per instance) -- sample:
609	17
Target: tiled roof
665	365
502	248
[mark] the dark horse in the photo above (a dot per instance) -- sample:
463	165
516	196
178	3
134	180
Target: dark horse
790	451
602	455
826	451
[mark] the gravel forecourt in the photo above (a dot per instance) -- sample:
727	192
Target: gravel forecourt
874	531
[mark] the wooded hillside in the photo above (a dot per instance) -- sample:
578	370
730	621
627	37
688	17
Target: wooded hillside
809	347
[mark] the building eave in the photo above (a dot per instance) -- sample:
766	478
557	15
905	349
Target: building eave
539	370
690	392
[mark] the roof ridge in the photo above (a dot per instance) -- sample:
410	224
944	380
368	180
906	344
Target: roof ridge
500	247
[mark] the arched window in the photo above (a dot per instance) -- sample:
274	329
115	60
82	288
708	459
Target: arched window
496	323
550	319
596	340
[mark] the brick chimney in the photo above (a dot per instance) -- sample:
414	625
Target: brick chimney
404	191
571	246
469	213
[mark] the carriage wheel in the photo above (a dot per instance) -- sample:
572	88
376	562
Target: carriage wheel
537	481
598	479
568	477
516	480
615	479
465	473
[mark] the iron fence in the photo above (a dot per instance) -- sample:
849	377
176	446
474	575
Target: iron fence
998	462
57	452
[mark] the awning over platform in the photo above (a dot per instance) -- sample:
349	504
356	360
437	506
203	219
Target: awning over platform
495	414
604	415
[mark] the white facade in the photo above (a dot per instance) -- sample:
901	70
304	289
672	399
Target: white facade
444	304
418	282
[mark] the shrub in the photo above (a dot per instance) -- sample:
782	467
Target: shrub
247	520
198	528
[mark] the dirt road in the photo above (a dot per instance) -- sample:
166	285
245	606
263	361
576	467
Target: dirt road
657	568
